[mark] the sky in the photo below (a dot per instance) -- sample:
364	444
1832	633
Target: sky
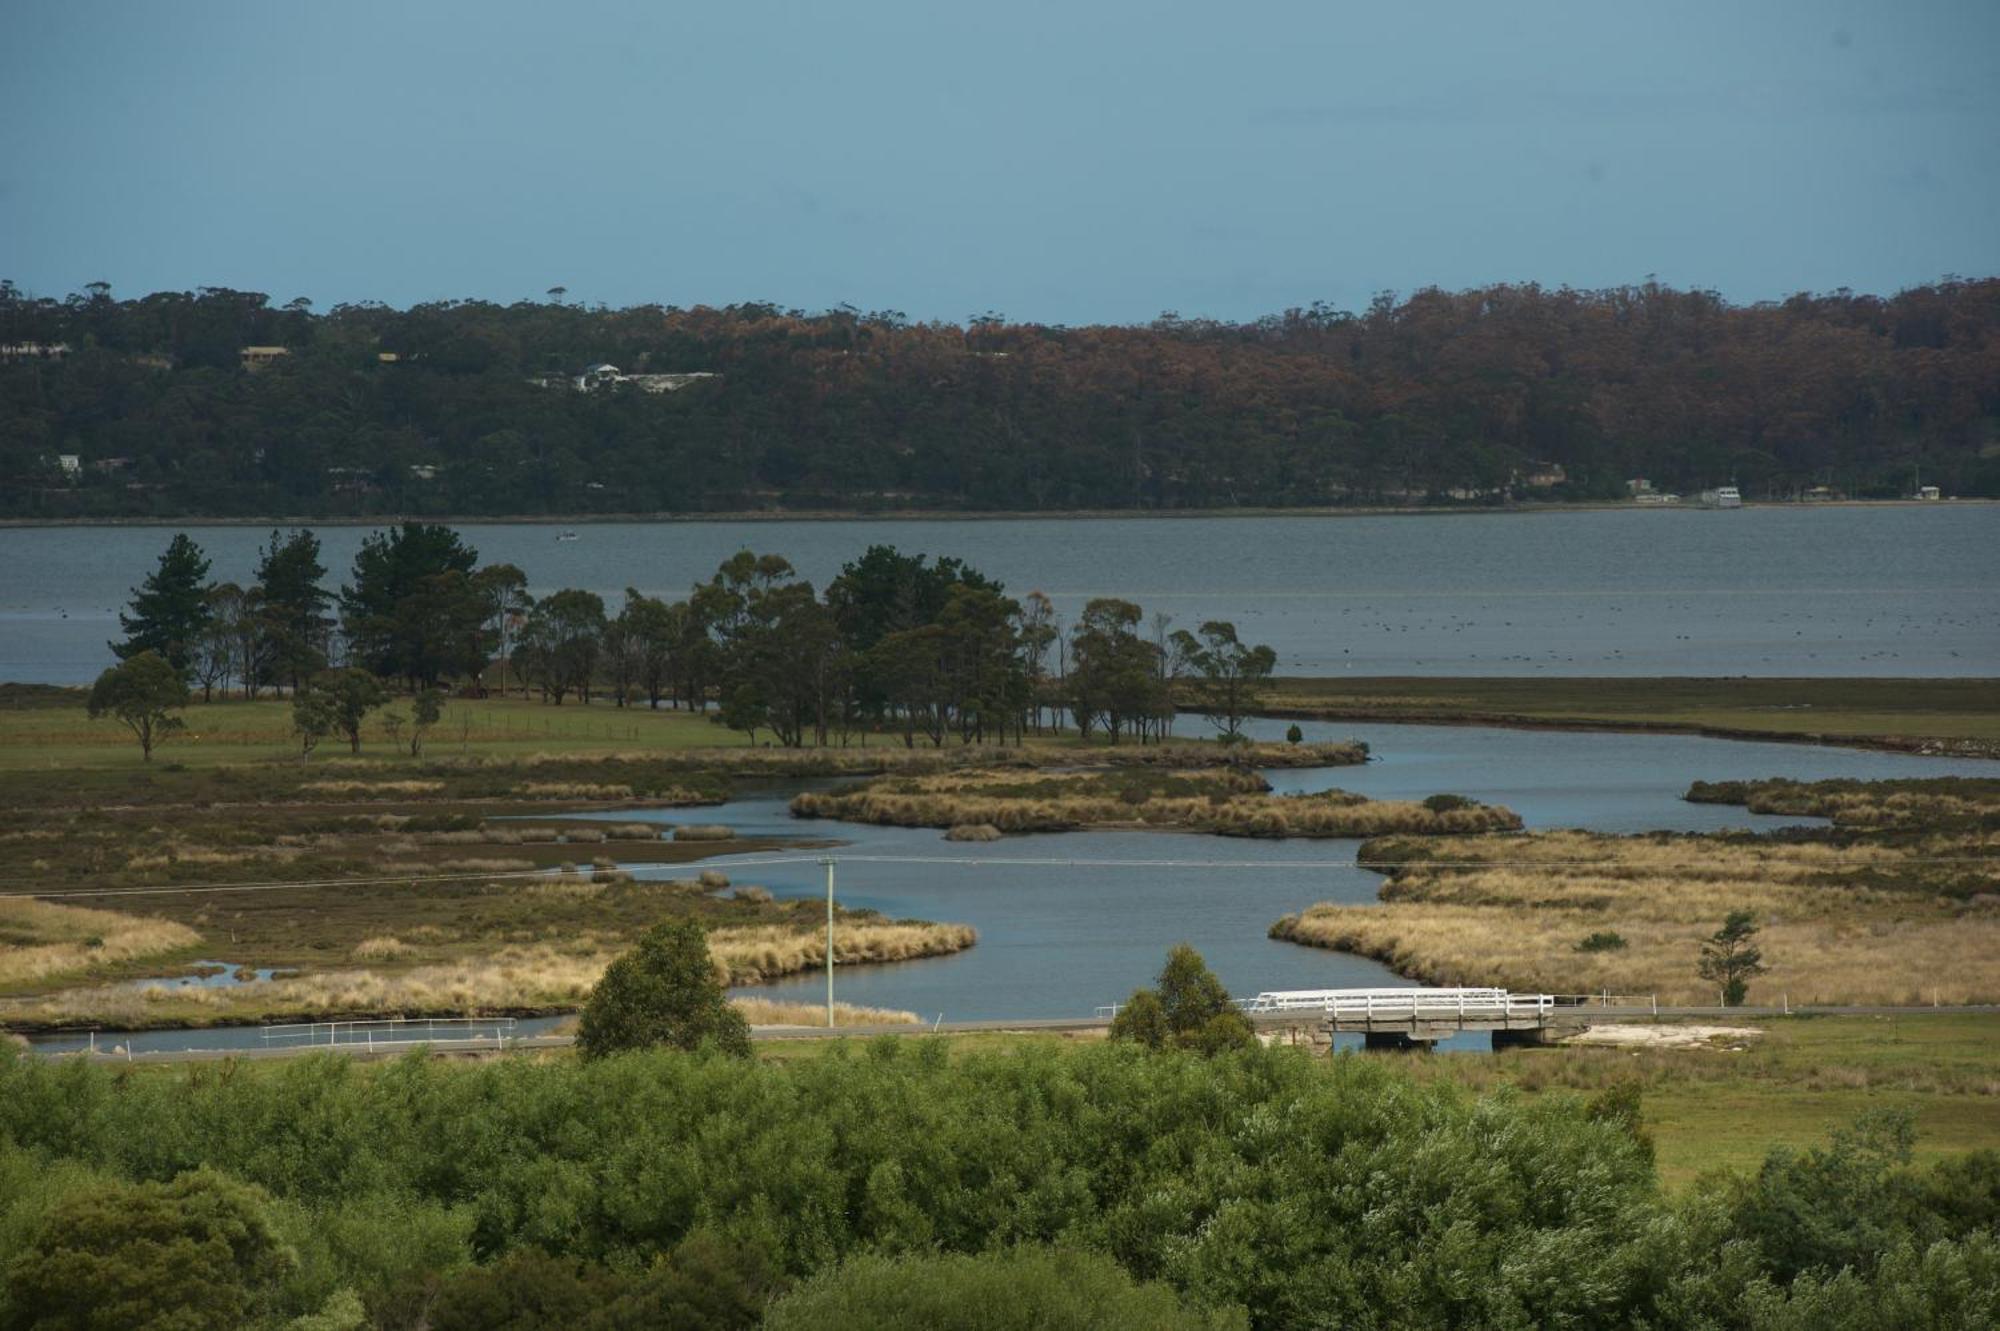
1075	162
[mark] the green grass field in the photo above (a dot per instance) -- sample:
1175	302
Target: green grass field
1923	709
222	733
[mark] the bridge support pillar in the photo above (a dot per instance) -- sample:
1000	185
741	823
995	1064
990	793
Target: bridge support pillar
1523	1039
1393	1042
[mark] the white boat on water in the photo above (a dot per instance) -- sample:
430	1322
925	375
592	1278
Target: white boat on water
566	536
1727	496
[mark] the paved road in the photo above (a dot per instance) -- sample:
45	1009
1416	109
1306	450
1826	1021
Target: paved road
486	1048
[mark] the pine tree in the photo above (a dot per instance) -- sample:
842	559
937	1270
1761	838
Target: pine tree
293	606
170	609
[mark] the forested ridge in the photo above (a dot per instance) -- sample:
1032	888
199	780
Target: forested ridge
473	408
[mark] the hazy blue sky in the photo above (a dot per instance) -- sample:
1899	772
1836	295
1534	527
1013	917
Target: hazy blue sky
1069	162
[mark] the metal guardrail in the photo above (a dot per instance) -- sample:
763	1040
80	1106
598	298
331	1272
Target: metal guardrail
393	1032
1433	1006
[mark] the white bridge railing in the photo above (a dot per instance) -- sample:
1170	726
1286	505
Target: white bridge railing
394	1032
1402	1006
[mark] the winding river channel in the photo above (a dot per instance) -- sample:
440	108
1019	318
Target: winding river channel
1061	933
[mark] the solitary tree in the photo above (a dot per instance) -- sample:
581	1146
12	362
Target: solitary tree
1189	1010
142	691
353	693
170	608
1229	673
292	606
425	709
663	992
1731	957
315	715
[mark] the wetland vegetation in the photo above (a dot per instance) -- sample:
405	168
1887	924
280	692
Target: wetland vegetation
1894	904
1224	802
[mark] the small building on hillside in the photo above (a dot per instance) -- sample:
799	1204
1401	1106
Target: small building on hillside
258	358
71	464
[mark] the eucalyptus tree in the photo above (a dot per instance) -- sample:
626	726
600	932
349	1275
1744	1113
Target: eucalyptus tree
1228	673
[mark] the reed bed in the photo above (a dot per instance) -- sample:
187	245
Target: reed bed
765	1012
40	940
1841	922
382	947
704	832
1222	803
513	978
382	789
754	953
572	790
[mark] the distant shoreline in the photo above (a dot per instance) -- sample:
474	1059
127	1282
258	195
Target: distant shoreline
947	515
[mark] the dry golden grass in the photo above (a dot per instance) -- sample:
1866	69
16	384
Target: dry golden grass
1834	929
517	978
382	947
385	789
572	790
704	832
765	1012
751	954
1230	804
40	940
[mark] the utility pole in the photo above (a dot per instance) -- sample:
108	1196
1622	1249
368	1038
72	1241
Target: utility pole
828	862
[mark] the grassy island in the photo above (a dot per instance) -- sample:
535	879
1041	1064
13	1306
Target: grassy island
1225	802
1891	906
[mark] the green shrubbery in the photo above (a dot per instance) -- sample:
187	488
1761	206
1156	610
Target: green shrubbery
1017	1289
1309	1192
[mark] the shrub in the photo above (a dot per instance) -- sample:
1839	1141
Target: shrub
1293	735
1604	940
1189	1010
664	992
195	1252
1019	1289
1449	803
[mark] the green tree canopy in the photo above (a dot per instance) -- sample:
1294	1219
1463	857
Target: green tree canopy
413	608
1228	673
143	692
194	1253
293	605
663	992
1016	1289
170	608
1189	1010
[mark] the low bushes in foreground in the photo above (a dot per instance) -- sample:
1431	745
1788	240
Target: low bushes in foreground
1307	1192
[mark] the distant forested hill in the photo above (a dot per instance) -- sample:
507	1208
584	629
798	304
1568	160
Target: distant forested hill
154	407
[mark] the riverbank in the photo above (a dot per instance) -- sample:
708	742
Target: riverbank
1926	716
961	515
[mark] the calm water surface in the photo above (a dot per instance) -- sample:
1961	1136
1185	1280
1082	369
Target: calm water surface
1759	591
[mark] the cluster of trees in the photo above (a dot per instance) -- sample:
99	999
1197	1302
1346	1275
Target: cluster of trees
899	1183
927	649
468	407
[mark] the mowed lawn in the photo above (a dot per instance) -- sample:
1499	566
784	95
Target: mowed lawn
220	733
